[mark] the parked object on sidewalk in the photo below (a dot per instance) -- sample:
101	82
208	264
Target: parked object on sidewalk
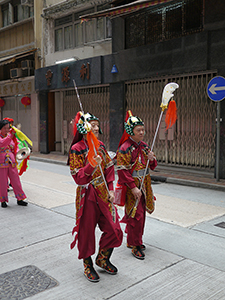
8	167
94	203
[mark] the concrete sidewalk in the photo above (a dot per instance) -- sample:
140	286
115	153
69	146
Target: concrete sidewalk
169	174
182	262
37	263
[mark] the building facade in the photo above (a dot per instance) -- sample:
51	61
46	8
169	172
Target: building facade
20	38
162	41
66	42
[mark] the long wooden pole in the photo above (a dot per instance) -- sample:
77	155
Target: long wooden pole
167	95
100	167
146	168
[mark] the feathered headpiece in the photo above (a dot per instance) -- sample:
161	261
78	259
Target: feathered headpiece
82	126
9	119
82	123
129	124
171	114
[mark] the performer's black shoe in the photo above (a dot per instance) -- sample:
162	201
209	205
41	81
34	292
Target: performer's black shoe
89	271
22	203
143	248
102	260
4	204
137	252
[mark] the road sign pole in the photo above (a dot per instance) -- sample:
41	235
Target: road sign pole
216	92
218	143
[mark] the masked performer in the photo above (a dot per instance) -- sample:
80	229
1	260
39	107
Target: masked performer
8	169
93	203
132	157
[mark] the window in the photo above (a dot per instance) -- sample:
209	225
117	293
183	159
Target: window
68	37
164	22
153	27
90	31
108	28
13	12
21	12
173	21
63	33
5	15
100	29
58	39
71	33
78	34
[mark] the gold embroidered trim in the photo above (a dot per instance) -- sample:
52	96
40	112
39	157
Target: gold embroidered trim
123	167
97	181
110	164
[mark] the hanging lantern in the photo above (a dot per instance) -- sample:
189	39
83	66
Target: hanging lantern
26	101
2	103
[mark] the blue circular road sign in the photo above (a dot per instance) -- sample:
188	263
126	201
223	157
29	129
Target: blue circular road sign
216	88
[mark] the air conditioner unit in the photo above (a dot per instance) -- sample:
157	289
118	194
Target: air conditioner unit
27	64
27	2
27	72
15	73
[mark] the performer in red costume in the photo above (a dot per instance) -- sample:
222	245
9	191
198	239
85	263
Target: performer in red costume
8	167
93	203
132	157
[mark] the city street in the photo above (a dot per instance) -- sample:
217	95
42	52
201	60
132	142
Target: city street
184	238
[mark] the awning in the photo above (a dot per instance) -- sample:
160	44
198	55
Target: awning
12	58
121	10
7	60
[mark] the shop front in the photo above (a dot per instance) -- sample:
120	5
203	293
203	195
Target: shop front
21	104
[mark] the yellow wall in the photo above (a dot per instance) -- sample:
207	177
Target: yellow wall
38	7
16	36
52	2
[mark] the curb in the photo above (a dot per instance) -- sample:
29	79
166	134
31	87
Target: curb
50	161
188	183
162	179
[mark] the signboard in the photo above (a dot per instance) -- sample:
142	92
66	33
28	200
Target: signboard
14	88
216	88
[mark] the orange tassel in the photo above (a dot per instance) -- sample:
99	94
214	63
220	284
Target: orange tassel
76	119
125	135
171	114
24	165
93	142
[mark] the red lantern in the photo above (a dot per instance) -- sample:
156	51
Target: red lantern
2	102
26	101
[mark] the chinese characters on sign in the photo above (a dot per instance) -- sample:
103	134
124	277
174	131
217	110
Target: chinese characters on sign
25	87
48	76
66	73
85	71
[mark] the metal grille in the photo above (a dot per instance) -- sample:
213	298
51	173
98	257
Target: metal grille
24	283
94	100
164	22
15	109
193	139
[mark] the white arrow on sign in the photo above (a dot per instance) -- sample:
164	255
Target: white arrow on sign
213	88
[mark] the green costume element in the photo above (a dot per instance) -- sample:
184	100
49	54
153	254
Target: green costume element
86	118
22	144
131	123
